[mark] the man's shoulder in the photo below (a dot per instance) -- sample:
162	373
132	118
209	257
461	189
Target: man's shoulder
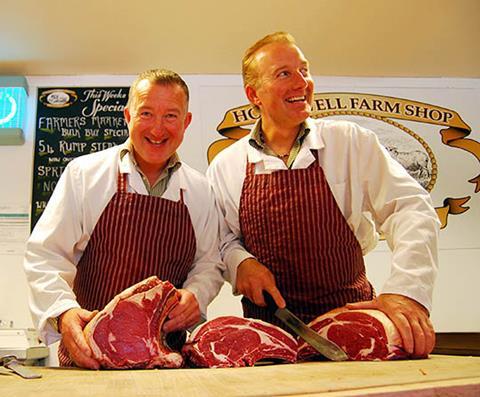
96	161
191	173
232	153
336	127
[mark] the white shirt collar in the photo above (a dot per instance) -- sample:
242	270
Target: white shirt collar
305	157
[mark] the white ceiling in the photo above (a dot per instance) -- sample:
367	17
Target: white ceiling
340	37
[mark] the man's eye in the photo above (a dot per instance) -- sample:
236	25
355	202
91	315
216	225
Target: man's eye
283	73
171	116
145	114
305	72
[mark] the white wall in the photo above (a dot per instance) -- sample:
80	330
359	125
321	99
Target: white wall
456	294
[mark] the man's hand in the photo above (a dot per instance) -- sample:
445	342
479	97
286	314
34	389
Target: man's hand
185	315
410	318
253	278
71	324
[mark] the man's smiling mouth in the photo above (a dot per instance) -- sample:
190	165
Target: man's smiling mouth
296	99
155	142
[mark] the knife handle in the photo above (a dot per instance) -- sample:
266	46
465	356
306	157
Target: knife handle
271	305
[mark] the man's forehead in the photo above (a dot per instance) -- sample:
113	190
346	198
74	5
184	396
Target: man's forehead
272	54
145	88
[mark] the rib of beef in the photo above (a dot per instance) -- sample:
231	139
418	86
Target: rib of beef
231	341
127	332
364	335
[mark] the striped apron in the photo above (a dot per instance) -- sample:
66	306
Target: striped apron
136	236
291	223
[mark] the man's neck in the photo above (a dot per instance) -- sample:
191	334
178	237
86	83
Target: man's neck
280	139
151	171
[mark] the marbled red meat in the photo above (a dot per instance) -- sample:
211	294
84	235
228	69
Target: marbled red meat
127	333
238	342
364	335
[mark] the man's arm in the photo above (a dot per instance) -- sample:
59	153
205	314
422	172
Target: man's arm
205	277
246	275
403	212
50	258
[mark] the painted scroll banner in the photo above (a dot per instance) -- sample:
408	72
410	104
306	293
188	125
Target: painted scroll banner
420	162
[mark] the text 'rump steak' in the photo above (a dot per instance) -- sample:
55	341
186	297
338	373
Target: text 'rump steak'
364	335
231	341
127	333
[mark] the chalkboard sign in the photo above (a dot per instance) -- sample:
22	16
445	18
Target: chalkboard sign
72	122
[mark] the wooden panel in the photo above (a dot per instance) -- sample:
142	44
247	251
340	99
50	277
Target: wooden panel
458	343
314	378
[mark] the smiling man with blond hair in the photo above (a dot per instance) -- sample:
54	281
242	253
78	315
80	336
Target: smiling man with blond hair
303	200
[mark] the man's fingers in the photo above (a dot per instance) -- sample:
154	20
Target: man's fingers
257	296
82	344
185	314
277	296
86	362
177	321
80	352
430	335
405	331
418	336
72	323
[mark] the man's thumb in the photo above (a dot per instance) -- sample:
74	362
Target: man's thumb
362	305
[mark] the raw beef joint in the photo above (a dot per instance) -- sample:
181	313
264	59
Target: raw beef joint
127	333
238	342
364	335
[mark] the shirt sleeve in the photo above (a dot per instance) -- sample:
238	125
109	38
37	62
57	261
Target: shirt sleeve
206	275
51	256
227	186
404	214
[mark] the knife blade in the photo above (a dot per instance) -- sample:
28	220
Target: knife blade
324	346
11	363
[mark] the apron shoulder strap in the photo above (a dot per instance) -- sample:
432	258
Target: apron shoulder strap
122	182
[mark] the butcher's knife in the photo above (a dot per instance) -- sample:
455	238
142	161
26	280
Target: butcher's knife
318	342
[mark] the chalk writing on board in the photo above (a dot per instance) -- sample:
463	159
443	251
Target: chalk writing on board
71	122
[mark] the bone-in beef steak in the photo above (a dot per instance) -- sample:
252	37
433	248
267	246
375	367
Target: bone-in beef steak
127	332
238	342
362	334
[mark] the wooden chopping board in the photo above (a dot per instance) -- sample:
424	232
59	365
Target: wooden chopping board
450	374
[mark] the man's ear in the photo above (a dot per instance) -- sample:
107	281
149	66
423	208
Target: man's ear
252	95
188	120
126	114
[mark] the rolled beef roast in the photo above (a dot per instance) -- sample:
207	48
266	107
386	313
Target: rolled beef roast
231	341
127	333
364	335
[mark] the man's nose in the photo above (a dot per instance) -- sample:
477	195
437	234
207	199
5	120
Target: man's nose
301	81
158	124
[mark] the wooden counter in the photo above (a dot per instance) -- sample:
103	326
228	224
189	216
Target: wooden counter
437	376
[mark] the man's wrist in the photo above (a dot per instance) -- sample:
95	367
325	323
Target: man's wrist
55	323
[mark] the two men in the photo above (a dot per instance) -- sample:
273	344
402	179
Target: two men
301	201
124	214
301	197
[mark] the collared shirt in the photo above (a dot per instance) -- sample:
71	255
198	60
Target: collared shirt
373	192
160	185
257	140
63	231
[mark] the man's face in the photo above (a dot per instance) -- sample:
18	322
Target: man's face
284	88
157	120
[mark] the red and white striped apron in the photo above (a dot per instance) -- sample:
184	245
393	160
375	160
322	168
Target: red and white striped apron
136	236
291	223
